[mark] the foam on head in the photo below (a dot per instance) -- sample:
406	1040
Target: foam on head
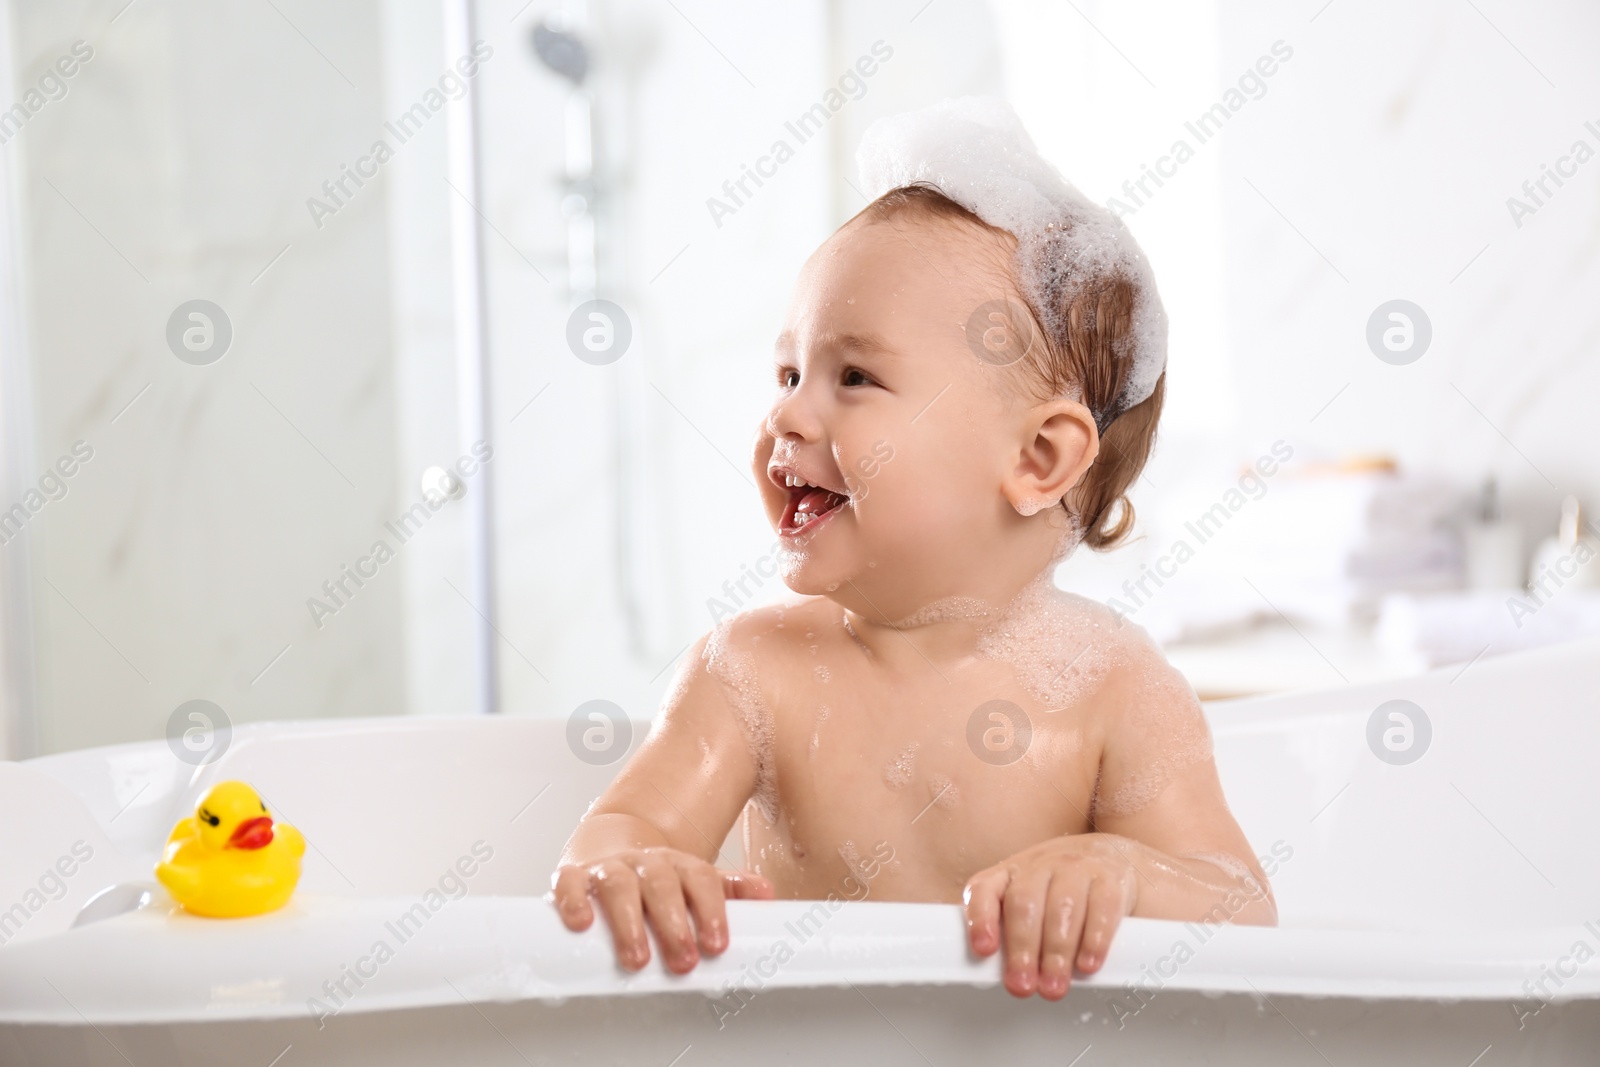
976	152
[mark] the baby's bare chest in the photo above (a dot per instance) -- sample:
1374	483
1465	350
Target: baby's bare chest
903	791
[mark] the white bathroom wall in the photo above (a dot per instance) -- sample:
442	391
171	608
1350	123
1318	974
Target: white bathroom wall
1392	143
219	498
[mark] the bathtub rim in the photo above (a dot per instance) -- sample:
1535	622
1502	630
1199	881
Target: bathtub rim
1497	968
867	943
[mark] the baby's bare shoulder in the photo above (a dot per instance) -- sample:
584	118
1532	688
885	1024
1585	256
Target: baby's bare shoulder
719	693
747	657
1150	719
769	634
1133	684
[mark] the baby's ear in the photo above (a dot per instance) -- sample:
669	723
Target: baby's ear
1058	445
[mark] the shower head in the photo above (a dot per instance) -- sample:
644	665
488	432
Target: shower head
561	51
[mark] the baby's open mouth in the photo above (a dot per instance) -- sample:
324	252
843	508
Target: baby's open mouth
807	503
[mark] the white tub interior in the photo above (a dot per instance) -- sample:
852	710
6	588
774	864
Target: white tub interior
1459	875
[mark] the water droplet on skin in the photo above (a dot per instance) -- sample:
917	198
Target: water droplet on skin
822	673
816	731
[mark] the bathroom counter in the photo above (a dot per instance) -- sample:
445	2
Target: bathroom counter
1280	658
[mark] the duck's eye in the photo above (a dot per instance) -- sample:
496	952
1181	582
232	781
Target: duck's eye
210	818
263	807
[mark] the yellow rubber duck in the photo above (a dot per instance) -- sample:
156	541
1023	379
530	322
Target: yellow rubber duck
229	859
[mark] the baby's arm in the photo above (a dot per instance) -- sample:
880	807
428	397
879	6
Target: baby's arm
1164	845
645	849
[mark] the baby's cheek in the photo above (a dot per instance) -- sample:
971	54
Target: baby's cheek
894	514
761	449
921	510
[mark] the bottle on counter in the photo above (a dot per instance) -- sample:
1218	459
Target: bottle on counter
1568	558
1493	545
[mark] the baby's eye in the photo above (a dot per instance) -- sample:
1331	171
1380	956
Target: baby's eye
788	377
854	376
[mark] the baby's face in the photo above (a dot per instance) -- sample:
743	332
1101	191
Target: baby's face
881	461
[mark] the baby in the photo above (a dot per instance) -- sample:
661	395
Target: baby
968	382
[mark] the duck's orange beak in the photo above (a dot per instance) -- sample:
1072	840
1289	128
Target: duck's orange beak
252	833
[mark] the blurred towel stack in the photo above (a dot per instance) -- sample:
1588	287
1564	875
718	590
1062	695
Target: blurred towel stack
1328	546
1357	556
1323	545
1460	627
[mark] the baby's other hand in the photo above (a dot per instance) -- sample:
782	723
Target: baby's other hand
1060	902
660	886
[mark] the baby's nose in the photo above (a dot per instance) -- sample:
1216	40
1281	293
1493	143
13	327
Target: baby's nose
794	419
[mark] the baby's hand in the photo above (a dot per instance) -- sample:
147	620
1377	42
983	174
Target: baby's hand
1060	901
661	886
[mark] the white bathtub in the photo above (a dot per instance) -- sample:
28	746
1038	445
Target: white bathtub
1420	905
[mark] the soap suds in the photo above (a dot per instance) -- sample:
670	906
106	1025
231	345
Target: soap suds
1171	718
851	630
852	860
976	151
944	610
902	767
1059	645
1033	505
942	792
735	669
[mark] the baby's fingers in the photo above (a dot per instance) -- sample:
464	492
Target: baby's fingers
571	890
1065	907
703	887
1106	908
616	886
745	885
663	892
983	909
1022	910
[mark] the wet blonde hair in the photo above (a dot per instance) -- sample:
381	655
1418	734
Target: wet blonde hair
1086	360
